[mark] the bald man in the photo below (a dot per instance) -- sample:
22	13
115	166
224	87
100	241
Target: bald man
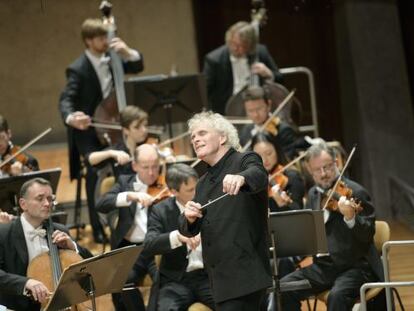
129	196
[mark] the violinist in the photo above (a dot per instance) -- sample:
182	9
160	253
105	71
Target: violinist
258	109
286	189
131	197
353	258
228	68
22	163
134	123
22	240
89	81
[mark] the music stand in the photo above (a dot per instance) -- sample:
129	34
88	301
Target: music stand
10	187
295	233
168	99
93	277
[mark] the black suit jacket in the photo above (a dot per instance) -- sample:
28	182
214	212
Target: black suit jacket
14	263
162	221
234	229
349	247
219	74
107	203
83	93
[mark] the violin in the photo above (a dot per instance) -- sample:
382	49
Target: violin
159	190
341	190
20	157
278	178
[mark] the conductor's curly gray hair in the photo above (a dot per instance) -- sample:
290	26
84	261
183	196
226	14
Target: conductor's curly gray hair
218	123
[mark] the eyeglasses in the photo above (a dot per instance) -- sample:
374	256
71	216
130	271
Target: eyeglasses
324	169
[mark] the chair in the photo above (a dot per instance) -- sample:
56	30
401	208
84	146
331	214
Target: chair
382	235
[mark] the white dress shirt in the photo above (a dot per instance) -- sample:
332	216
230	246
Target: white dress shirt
241	72
36	245
195	257
136	233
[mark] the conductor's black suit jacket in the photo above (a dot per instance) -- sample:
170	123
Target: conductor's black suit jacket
83	93
14	260
234	229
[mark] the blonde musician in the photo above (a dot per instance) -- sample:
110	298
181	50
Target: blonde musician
130	197
258	109
23	239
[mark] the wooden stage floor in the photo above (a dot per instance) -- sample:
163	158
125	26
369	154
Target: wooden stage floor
401	258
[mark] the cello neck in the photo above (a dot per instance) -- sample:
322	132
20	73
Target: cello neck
54	254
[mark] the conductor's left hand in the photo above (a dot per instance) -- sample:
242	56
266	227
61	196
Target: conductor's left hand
232	184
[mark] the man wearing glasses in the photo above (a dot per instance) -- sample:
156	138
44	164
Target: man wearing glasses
25	238
353	259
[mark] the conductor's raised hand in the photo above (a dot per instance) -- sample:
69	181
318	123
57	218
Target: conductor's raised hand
192	211
232	184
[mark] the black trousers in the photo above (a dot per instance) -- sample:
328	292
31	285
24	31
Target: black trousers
178	296
251	302
90	183
343	285
132	300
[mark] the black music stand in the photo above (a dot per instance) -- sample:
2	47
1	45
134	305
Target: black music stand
168	99
93	277
10	187
295	233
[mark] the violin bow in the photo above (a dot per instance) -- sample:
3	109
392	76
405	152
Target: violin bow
270	118
340	177
171	140
22	149
285	167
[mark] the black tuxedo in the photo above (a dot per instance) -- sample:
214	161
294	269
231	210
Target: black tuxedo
352	261
126	215
14	261
174	280
83	93
219	74
234	229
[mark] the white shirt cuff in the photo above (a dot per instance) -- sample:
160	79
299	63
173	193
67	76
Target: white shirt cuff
121	199
174	241
350	223
133	56
68	119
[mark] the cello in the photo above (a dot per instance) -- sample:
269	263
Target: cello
47	268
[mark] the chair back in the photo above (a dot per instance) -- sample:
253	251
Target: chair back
382	234
107	184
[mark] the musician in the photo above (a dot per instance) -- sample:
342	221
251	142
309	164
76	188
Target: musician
287	189
23	163
183	279
233	229
22	240
258	109
228	68
134	123
353	258
130	197
89	80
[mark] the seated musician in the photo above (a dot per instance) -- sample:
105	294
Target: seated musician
353	258
134	131
22	240
130	196
22	163
287	189
183	279
258	109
